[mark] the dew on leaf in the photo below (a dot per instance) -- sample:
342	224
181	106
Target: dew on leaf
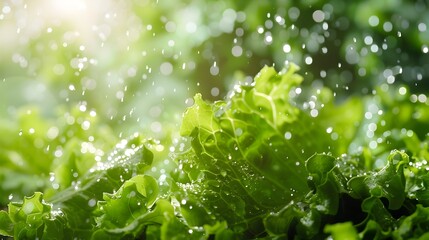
238	132
28	208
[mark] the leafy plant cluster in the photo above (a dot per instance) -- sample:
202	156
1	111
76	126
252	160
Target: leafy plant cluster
272	161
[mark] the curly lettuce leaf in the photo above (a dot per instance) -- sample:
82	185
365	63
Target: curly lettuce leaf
6	223
343	199
27	219
131	208
248	153
70	212
261	164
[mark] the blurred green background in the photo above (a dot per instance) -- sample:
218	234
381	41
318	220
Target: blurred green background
76	76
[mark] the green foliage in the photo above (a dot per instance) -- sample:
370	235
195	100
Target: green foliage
264	163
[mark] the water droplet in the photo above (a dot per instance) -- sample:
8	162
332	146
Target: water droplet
318	16
422	98
314	112
308	60
288	135
373	144
131	194
92	202
238	132
334	136
286	48
368	40
85	125
387	26
422	27
268	38
374	48
237	51
51	176
166	68
28	208
170	26
214	70
214	92
293	13
372	127
373	21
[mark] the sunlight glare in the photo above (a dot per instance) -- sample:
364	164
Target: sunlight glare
68	7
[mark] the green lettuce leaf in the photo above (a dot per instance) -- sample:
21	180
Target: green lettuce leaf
70	212
131	208
248	153
29	217
271	161
342	198
340	231
6	223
